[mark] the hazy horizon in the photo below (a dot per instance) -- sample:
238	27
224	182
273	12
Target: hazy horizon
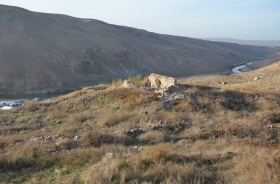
245	20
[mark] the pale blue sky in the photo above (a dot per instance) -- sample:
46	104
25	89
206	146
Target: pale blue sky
240	19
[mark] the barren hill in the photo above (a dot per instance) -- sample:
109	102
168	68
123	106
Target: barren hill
42	53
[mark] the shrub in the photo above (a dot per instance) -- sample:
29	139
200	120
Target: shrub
137	80
97	139
117	82
32	106
152	137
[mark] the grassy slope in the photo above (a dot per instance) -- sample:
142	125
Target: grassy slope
227	139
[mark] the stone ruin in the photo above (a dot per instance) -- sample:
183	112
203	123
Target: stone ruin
159	81
154	81
167	87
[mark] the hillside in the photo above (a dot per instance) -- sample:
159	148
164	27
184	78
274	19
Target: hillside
41	53
246	42
217	129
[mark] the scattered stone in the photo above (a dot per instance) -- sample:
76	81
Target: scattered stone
90	99
160	126
271	126
256	78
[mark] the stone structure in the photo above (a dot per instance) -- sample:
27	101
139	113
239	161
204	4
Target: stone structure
159	81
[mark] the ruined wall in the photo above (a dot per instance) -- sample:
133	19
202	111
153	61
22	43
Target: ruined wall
159	81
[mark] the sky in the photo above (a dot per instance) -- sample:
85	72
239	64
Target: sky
239	19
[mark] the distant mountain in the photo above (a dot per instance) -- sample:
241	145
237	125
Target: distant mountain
42	53
246	42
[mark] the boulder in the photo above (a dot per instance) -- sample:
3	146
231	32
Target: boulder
159	81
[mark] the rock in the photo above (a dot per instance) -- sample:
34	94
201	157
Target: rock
76	138
256	78
159	81
128	84
108	156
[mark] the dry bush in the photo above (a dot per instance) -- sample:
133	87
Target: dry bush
54	115
152	137
104	172
70	130
131	95
267	105
117	117
26	155
124	125
270	118
255	166
122	93
216	106
159	152
90	155
66	143
16	129
166	116
97	139
183	106
79	107
193	89
32	106
79	118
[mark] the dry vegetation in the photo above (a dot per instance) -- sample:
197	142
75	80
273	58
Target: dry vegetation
232	137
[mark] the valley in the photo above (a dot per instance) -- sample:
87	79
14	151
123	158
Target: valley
48	53
84	101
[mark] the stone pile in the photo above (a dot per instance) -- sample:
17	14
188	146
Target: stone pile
160	126
167	87
48	138
90	99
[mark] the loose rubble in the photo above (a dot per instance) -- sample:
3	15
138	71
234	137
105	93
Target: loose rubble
90	99
161	125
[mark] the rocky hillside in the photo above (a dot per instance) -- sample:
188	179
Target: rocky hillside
42	53
218	129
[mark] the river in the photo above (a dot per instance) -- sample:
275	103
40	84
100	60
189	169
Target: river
236	69
29	97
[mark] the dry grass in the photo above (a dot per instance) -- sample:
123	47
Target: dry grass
117	82
137	80
152	137
232	137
